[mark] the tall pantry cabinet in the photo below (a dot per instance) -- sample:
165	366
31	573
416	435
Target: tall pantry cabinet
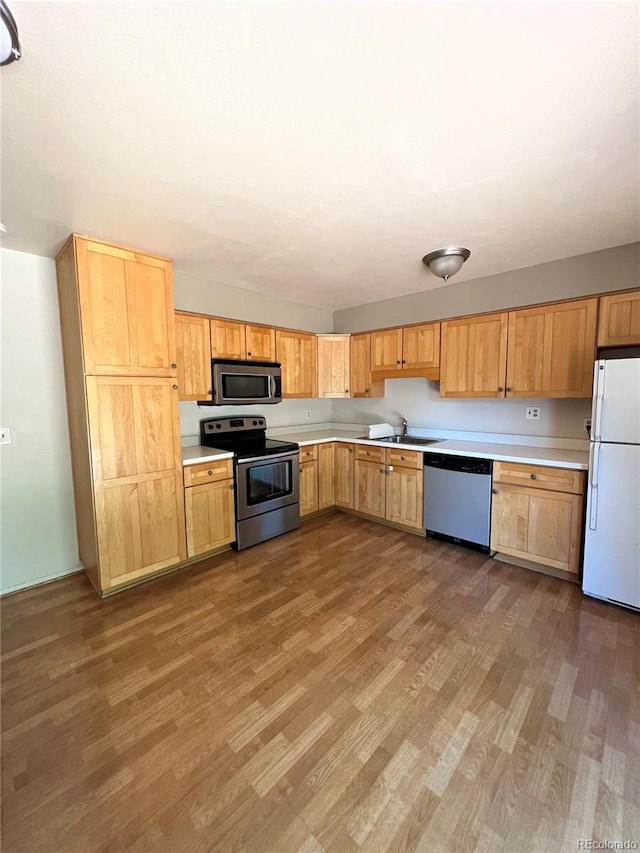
118	337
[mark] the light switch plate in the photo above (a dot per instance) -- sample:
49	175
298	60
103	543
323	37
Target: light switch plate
5	435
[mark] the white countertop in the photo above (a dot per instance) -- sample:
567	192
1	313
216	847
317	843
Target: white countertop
554	457
193	455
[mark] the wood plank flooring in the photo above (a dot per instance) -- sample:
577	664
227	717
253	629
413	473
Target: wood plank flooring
345	687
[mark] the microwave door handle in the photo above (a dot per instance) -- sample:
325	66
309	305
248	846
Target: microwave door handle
272	385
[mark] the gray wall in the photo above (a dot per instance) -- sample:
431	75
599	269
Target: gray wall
596	272
207	297
37	516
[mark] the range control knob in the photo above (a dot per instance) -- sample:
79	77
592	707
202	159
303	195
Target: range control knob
218	426
255	423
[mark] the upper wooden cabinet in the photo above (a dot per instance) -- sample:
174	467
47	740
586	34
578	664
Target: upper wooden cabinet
619	319
193	356
361	384
296	351
242	341
333	365
533	352
551	350
474	356
408	351
125	308
260	343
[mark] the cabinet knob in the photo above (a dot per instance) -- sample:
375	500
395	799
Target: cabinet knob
501	388
209	392
404	361
534	476
346	390
508	389
248	353
366	390
209	473
175	387
173	366
398	362
232	487
494	491
402	459
350	450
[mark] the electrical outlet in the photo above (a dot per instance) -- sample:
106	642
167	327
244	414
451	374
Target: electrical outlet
5	435
532	413
307	415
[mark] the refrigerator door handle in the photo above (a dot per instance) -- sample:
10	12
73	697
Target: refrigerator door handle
598	399
594	463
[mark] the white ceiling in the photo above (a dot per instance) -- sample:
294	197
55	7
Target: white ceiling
317	150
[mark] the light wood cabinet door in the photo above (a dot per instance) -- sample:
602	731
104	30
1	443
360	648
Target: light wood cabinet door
228	339
386	350
333	365
193	357
370	488
473	356
619	323
260	343
296	351
421	346
343	461
326	475
537	525
137	469
404	490
126	311
552	349
210	516
360	369
308	487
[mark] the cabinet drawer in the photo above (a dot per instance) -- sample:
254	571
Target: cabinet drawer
370	454
308	454
539	477
208	472
405	458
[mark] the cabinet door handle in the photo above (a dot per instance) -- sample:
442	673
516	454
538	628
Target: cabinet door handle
398	362
173	366
501	388
175	387
232	487
346	390
534	476
402	459
209	392
248	353
494	491
403	361
209	473
508	390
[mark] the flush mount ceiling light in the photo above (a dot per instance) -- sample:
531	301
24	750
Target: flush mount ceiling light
9	42
446	262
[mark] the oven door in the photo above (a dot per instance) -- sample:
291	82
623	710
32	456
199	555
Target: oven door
265	483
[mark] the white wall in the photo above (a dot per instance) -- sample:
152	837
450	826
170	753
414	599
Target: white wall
418	400
287	413
37	524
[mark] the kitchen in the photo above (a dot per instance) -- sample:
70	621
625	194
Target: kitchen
343	559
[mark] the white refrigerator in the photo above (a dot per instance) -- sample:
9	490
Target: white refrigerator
612	537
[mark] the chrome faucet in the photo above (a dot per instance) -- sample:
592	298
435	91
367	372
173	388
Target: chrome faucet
404	424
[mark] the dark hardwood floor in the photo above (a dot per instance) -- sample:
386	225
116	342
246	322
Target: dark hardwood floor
345	687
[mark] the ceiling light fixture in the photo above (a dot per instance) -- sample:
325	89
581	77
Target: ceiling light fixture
9	41
446	262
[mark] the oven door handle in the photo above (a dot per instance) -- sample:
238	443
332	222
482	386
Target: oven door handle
276	457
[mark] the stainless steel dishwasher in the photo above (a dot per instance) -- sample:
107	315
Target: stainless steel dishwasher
457	499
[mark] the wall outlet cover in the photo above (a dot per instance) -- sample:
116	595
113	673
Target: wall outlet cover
307	415
5	435
532	413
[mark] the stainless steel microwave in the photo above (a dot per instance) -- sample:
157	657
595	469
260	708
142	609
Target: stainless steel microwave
245	383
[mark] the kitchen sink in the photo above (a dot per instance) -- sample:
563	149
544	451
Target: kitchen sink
408	439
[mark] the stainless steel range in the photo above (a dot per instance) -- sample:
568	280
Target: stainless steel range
266	477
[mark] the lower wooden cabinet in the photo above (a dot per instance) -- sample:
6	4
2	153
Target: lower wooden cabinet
344	472
539	519
389	484
326	475
209	506
308	487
